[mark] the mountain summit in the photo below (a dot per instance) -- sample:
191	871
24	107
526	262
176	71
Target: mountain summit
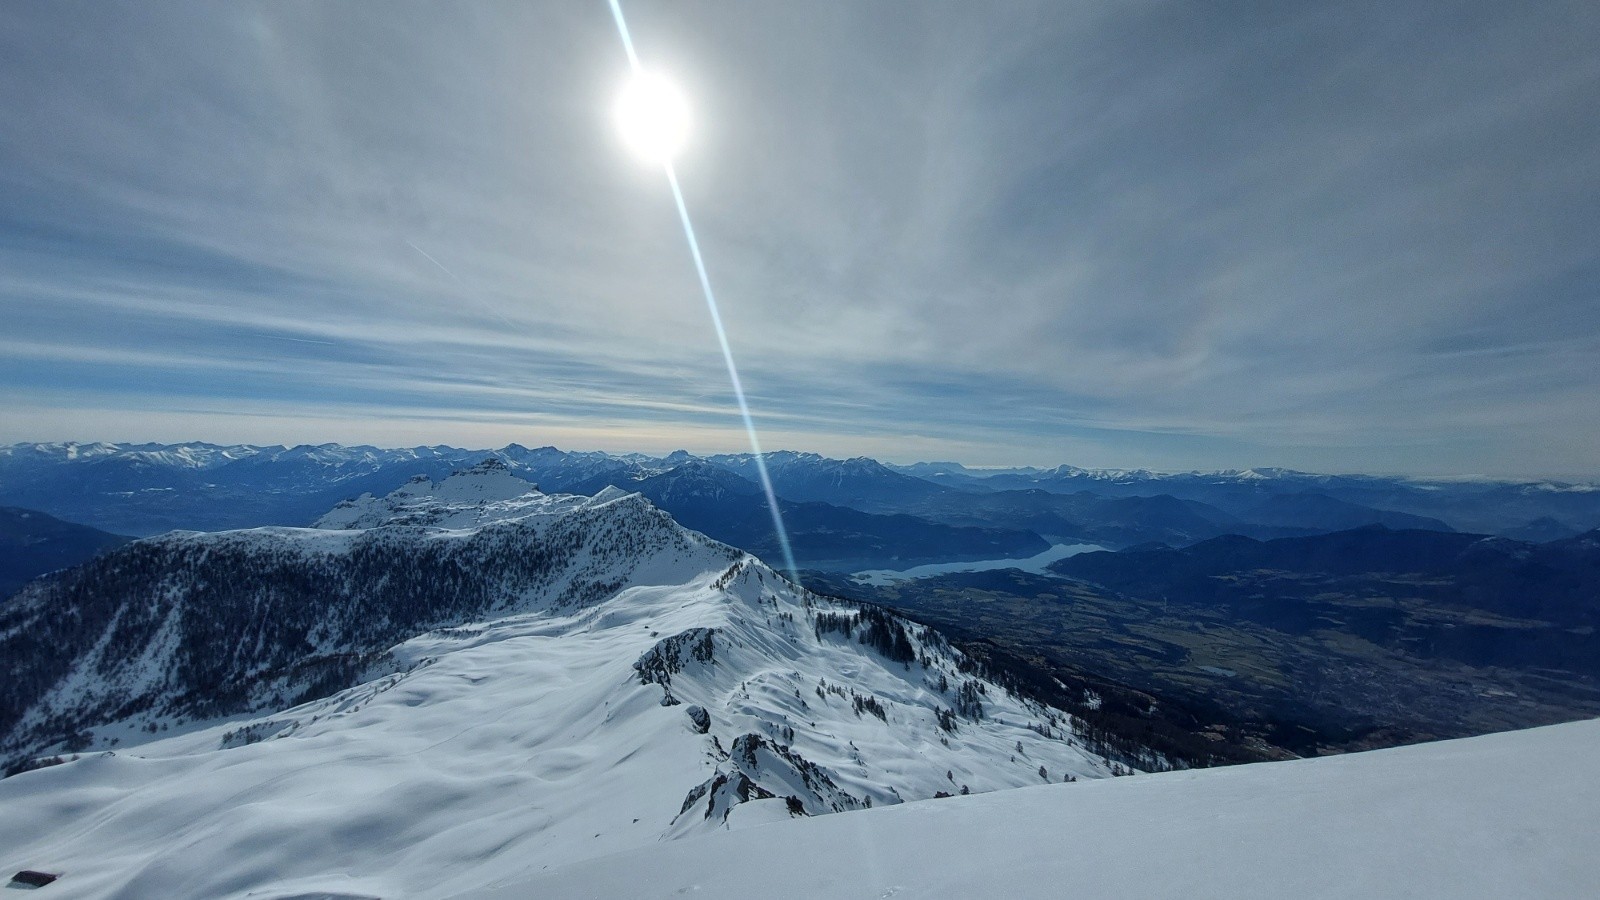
484	492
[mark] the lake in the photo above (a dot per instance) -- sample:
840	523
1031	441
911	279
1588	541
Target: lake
1034	564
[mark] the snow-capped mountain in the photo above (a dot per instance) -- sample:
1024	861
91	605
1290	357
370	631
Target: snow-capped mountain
486	492
489	680
194	455
1255	494
144	489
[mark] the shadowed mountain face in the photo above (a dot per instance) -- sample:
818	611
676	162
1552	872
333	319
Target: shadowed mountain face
719	503
1542	530
861	483
1324	513
1112	521
32	544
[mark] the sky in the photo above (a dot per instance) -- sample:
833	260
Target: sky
1336	237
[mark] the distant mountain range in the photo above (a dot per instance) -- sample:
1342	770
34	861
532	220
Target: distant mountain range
1478	505
841	513
724	505
861	483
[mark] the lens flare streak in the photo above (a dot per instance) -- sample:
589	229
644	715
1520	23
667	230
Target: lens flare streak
716	321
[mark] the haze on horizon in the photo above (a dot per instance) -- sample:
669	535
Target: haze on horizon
1348	238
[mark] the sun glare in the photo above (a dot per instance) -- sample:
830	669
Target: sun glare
653	117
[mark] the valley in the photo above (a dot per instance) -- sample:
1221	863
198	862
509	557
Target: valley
1307	645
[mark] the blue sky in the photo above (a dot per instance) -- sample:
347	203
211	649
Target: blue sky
1352	237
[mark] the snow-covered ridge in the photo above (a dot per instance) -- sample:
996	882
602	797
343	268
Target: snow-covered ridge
487	492
199	455
534	679
191	625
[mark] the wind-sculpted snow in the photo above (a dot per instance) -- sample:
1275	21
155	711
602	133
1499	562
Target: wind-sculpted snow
520	723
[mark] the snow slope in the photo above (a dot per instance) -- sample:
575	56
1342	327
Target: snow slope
1505	815
702	693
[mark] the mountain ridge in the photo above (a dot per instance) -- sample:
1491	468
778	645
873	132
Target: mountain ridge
519	679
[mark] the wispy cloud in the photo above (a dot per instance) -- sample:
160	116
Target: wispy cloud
1352	237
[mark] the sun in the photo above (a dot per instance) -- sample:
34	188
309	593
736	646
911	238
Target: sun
653	117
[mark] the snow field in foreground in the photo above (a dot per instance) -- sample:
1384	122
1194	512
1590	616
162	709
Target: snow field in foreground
1499	816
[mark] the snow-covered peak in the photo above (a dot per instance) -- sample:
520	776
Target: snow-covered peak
490	479
485	492
193	455
607	494
1255	473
